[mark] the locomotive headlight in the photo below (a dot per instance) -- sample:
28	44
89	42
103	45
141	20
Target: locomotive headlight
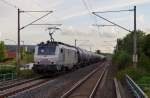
38	62
49	60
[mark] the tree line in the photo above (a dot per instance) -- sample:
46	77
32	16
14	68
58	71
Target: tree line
124	50
3	51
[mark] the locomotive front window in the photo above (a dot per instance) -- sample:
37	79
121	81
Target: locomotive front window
46	50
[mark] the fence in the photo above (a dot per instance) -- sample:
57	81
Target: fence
138	92
7	76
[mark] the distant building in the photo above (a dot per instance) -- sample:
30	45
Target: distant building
11	50
11	54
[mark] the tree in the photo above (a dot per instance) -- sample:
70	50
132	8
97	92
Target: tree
122	58
143	47
126	44
98	51
146	46
3	51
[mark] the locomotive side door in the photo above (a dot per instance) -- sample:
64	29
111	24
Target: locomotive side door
61	56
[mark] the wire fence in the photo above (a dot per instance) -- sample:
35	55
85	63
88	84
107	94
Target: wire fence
7	76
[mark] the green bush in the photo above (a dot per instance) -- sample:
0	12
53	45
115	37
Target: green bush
28	57
144	62
134	73
144	80
122	58
144	83
147	91
27	73
3	51
7	69
139	76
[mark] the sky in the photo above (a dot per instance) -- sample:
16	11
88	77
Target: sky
76	19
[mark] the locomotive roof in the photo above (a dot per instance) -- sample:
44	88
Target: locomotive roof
54	43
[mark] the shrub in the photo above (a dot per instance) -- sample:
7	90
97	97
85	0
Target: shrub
144	83
132	72
144	62
122	58
144	80
3	51
147	91
7	69
27	73
28	57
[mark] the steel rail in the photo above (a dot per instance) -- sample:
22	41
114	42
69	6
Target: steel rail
27	80
97	84
19	83
65	95
5	94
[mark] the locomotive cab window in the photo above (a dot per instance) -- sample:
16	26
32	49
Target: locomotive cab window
46	50
61	50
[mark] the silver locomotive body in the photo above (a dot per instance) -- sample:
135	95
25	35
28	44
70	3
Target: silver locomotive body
54	56
57	56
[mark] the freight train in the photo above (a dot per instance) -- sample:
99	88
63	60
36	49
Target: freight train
58	56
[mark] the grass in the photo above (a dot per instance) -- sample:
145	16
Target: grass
132	72
7	70
141	77
144	83
4	69
27	73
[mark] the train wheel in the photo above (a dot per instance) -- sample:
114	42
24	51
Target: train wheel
64	69
74	68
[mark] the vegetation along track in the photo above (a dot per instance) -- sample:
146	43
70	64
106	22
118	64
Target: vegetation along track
86	87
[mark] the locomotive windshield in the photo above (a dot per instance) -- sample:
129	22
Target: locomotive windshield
46	50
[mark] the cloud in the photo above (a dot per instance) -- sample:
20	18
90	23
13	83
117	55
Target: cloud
89	32
147	30
0	35
118	4
65	11
141	19
78	32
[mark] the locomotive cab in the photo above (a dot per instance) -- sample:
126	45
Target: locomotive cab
45	58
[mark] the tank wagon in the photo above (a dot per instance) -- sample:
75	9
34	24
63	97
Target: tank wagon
58	56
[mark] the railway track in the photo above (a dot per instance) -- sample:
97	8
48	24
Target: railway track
27	85
23	85
86	87
8	91
23	81
17	82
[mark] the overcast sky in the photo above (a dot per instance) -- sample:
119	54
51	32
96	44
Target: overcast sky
76	19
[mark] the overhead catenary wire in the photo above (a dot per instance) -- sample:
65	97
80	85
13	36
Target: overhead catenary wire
110	22
28	13
115	11
89	9
15	7
43	8
9	4
86	6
